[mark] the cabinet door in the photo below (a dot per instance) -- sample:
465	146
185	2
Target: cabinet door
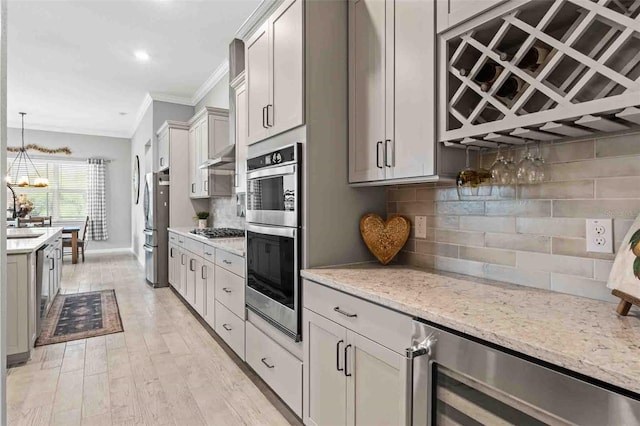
367	39
190	287
376	383
200	286
454	12
202	136
241	139
286	35
17	319
193	157
410	130
209	293
325	384
258	75
163	150
182	282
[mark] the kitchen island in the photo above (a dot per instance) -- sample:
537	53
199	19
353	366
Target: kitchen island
34	266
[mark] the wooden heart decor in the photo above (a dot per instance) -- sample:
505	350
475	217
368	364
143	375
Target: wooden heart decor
384	238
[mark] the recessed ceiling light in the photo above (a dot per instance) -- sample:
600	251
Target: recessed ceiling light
141	55
122	113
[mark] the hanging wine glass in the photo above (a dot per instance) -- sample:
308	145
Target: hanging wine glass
526	171
484	178
540	167
499	167
467	180
509	174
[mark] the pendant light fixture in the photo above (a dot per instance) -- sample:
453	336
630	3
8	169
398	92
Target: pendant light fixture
19	171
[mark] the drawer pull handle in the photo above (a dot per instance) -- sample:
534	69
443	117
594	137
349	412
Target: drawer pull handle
227	327
226	261
264	361
226	289
346	360
338	355
208	254
346	314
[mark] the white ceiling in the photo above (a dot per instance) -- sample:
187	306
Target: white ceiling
71	63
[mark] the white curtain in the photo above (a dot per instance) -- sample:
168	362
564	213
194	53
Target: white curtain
96	201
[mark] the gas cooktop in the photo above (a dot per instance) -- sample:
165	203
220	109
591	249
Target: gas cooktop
219	232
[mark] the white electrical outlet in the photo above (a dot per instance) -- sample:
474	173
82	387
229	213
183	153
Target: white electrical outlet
600	235
421	227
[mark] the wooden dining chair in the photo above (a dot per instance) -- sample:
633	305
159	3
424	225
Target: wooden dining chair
34	221
82	241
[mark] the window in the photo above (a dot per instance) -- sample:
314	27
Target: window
65	199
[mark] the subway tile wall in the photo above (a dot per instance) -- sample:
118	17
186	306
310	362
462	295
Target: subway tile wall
533	235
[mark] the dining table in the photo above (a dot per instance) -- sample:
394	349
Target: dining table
73	230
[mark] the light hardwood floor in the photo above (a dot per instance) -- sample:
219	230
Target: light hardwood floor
165	369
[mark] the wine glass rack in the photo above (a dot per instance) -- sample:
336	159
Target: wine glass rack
587	79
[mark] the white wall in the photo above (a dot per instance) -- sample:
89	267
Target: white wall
142	137
218	96
118	174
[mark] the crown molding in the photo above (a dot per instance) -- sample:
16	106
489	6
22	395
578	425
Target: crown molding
218	74
256	18
173	99
142	110
72	130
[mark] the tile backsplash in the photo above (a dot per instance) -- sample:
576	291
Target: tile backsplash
224	213
533	235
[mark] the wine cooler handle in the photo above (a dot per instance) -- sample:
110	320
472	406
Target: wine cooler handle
418	350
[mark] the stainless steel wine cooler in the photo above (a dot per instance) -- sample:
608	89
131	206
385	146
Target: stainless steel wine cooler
458	381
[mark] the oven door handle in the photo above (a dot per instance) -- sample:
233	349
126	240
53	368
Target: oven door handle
272	172
276	231
419	349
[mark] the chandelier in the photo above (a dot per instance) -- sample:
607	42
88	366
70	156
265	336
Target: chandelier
22	168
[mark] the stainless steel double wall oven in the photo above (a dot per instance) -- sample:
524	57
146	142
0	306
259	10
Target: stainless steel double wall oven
273	238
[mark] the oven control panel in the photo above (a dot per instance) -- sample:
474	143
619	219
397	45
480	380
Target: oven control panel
286	155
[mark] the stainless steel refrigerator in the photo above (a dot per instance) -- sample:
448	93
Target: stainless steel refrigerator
156	221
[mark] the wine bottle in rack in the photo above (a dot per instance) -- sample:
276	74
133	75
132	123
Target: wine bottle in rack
487	75
510	88
463	72
533	58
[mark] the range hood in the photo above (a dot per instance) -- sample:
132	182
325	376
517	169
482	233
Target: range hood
222	160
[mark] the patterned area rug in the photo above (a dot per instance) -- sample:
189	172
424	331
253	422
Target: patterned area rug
79	316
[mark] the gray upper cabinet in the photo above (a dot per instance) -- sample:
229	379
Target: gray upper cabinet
163	150
392	90
240	93
208	134
274	57
454	12
257	69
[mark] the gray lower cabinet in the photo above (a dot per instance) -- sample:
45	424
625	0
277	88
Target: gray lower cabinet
351	379
276	366
18	301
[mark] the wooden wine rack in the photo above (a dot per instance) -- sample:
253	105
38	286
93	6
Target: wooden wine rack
589	82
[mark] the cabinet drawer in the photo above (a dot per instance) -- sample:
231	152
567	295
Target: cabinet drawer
230	262
230	328
179	240
195	247
173	238
230	291
389	328
209	253
277	367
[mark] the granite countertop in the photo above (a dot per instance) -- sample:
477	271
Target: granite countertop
232	245
582	335
35	238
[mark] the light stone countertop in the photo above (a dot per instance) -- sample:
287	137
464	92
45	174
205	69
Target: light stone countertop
37	237
582	335
232	245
